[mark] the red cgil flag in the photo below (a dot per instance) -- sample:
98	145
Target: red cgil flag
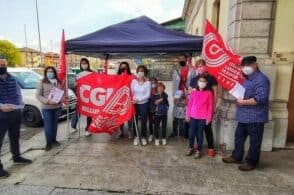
222	62
106	99
61	69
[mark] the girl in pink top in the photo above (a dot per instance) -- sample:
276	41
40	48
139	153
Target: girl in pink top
199	113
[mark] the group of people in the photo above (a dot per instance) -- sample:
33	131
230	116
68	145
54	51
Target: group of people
195	95
151	105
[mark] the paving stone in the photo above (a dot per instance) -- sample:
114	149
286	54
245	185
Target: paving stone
25	190
114	178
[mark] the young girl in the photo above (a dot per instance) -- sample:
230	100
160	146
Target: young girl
50	109
179	113
154	82
159	102
199	113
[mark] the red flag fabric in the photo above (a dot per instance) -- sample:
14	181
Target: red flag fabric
221	61
107	99
61	69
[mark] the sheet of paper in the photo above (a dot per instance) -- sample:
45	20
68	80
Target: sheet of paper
56	95
238	91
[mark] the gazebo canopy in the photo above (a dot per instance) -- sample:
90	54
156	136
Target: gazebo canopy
137	37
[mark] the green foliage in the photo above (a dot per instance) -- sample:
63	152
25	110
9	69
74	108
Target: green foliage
11	53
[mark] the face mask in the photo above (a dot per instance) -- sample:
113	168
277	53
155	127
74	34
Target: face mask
140	74
153	85
50	75
3	70
182	63
247	70
84	66
201	84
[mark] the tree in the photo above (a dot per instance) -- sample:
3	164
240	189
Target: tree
11	53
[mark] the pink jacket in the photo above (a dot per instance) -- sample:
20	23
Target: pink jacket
200	105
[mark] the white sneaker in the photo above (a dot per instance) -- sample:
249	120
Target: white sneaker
144	142
164	142
73	130
150	138
156	142
87	134
136	141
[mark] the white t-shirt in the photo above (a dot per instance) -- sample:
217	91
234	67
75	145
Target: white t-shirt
141	92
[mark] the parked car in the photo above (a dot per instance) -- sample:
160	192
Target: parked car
28	81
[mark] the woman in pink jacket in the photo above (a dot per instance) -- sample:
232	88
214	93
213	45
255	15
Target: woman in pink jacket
199	113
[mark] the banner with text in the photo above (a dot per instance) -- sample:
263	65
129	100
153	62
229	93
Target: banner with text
222	62
107	99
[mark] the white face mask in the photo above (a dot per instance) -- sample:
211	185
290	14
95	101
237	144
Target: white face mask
140	74
247	70
201	84
84	66
153	85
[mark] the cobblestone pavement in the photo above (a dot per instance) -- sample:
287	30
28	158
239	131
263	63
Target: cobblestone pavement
103	165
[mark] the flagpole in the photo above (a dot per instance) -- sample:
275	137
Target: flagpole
39	33
137	131
67	97
67	110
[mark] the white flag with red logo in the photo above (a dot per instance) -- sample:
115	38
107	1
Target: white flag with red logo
222	62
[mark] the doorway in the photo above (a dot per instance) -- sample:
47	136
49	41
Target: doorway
290	134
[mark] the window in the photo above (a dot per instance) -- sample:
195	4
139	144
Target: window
27	79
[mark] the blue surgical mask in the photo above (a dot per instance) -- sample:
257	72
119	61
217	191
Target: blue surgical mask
50	75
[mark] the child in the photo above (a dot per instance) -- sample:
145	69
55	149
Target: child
159	102
179	113
199	113
154	82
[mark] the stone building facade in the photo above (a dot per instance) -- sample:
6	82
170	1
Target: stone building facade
263	28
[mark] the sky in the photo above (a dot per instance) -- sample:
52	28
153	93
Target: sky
76	17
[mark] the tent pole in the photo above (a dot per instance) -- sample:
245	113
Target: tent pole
67	104
106	64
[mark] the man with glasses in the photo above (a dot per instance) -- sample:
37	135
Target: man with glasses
10	115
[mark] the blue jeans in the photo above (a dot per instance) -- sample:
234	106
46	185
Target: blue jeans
75	118
196	127
142	113
179	127
160	119
255	132
51	124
